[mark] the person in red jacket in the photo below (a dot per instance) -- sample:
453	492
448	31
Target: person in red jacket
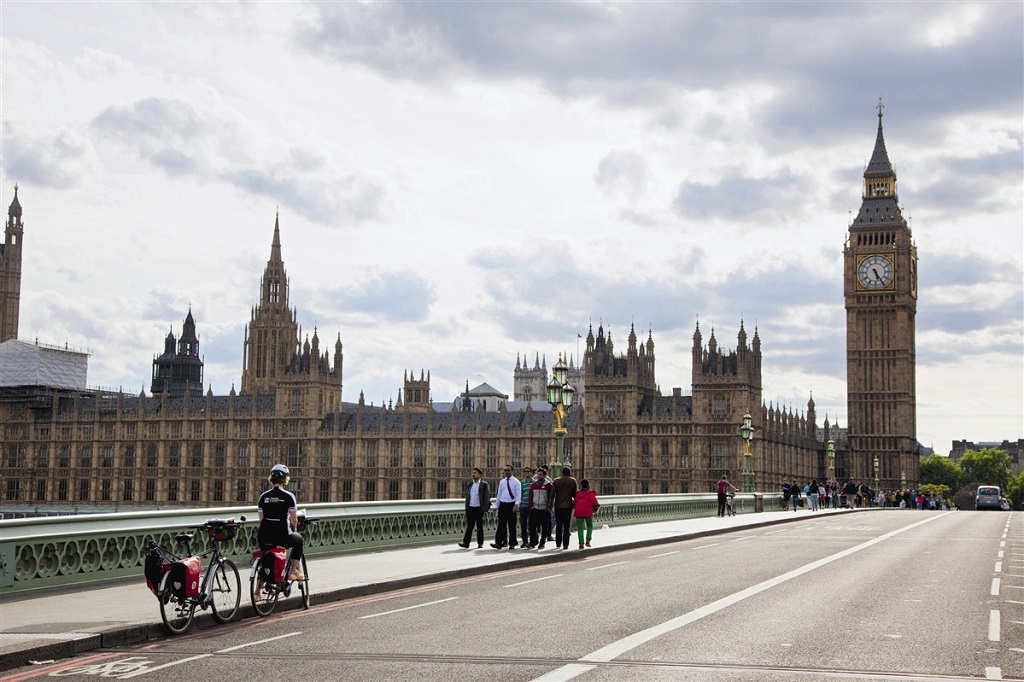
585	507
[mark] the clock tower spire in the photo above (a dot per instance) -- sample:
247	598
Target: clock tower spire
880	291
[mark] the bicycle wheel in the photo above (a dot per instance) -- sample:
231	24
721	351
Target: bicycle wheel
264	597
176	612
225	592
304	584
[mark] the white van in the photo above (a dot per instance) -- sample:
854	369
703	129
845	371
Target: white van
988	497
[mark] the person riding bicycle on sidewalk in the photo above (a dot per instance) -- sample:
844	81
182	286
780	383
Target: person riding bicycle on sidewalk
278	510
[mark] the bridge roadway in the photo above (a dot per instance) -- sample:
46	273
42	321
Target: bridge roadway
56	623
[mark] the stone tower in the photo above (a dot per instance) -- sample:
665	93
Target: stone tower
272	335
179	369
726	385
618	387
10	271
880	288
275	361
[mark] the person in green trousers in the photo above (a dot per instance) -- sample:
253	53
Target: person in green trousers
585	507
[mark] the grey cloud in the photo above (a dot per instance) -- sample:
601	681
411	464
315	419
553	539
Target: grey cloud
972	184
740	197
638	54
348	199
622	171
159	130
59	161
392	296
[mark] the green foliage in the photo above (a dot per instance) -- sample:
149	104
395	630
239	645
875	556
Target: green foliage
939	470
988	466
1014	492
935	490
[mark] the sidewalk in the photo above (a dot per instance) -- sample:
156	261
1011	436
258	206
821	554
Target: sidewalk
57	624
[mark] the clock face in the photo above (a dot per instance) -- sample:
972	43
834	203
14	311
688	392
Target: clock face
875	272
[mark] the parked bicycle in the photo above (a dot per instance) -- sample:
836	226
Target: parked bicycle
175	580
268	579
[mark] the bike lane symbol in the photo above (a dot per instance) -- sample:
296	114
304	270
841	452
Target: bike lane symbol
116	668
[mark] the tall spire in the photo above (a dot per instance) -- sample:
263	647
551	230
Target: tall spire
879	163
275	246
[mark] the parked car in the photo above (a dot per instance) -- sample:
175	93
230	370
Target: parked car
988	497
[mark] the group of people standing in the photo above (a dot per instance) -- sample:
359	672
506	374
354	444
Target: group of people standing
527	505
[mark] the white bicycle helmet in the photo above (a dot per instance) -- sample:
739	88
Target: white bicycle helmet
280	468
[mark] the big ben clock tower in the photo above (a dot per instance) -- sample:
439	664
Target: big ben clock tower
880	288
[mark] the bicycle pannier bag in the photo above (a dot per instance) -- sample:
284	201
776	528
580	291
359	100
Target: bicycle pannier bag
154	569
184	578
274	564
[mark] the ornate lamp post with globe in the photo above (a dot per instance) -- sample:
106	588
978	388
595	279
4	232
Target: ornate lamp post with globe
747	434
560	395
877	489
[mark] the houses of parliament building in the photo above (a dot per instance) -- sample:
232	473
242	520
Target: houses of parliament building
65	446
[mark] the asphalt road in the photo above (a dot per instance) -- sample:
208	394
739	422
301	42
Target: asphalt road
888	595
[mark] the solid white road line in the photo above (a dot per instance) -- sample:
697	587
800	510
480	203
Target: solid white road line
146	671
535	580
616	649
408	608
993	625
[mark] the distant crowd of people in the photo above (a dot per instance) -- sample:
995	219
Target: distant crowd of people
527	505
825	494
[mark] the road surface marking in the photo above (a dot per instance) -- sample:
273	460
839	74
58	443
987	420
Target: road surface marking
993	673
747	537
993	625
706	546
626	644
1015	587
598	568
994	592
1000	554
145	671
776	532
527	582
999	567
655	556
408	608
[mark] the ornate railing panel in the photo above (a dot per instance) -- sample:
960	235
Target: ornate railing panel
51	551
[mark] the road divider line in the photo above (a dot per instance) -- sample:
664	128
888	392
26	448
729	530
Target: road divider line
999	567
993	673
993	625
146	671
407	608
535	580
707	546
655	556
612	651
747	537
262	641
598	568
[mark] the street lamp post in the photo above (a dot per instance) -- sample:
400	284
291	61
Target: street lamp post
877	490
830	452
747	434
560	395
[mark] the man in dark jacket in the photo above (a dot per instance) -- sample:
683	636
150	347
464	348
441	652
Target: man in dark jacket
850	490
565	491
478	502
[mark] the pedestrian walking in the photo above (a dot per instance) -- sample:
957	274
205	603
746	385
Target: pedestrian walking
794	491
812	495
539	502
785	495
478	502
850	491
585	505
509	492
565	491
524	516
723	493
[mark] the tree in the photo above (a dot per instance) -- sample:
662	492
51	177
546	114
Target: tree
1015	492
938	490
988	466
939	470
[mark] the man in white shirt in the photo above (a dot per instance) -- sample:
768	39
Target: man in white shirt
508	494
478	501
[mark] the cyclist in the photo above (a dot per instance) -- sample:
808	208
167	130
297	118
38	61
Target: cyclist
278	510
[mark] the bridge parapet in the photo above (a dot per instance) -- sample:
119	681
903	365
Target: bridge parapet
48	552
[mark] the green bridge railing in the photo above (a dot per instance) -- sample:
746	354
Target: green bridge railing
46	552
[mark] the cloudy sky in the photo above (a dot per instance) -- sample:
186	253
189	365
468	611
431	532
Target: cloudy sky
462	182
